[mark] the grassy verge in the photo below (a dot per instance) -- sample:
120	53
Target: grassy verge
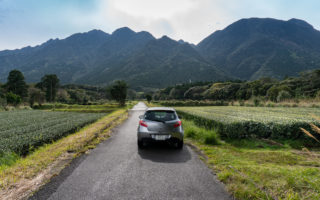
99	108
258	169
31	169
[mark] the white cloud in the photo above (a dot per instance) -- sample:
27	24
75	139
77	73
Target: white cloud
31	22
153	9
190	20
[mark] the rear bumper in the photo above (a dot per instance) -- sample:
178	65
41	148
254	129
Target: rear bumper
148	136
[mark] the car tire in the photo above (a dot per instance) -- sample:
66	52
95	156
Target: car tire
140	144
179	144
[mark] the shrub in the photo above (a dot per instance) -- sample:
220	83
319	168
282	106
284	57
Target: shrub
190	132
202	134
13	99
3	102
283	95
256	101
210	137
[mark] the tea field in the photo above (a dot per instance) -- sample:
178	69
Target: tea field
21	131
245	122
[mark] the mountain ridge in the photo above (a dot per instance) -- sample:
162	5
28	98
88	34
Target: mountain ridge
247	49
256	47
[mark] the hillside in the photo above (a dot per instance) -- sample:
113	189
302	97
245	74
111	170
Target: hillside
254	48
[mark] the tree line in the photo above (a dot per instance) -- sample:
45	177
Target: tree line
307	85
16	91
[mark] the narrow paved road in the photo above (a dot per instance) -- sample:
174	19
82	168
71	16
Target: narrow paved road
116	169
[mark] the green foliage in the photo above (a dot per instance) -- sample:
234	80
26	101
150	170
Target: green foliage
274	91
3	103
36	95
22	131
8	158
191	103
210	137
118	91
50	83
16	84
81	94
77	97
148	97
201	134
2	90
252	122
182	91
307	85
100	108
13	99
222	91
283	95
256	101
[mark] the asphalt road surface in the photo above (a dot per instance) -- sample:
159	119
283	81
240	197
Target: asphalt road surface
116	169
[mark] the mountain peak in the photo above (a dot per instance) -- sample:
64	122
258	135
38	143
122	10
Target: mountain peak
124	31
166	38
96	31
300	23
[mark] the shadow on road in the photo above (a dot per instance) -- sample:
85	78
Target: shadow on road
164	153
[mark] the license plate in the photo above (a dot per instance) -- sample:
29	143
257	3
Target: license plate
160	137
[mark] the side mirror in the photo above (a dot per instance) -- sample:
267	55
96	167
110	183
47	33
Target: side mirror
141	117
180	117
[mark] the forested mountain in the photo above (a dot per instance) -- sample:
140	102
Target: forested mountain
98	58
247	49
254	48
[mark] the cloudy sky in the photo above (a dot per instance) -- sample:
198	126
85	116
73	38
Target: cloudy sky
32	22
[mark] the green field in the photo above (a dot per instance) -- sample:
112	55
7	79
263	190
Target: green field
254	168
244	122
21	131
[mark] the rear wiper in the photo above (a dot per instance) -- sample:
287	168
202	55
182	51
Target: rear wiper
157	120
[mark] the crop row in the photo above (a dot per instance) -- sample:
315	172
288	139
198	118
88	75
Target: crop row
245	122
21	131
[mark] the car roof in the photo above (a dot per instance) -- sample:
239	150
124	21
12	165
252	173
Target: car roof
161	108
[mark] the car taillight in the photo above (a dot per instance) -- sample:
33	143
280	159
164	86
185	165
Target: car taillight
142	123
177	124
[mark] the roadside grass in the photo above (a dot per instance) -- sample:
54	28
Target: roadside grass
256	169
8	159
200	134
13	178
99	108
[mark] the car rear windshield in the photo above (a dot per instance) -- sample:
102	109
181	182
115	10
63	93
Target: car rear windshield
160	115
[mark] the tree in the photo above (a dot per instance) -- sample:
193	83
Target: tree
50	83
63	96
149	97
118	91
13	98
36	95
2	91
16	84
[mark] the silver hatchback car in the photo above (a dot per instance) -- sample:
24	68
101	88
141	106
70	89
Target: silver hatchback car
160	124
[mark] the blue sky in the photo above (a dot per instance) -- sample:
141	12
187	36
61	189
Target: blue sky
32	22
